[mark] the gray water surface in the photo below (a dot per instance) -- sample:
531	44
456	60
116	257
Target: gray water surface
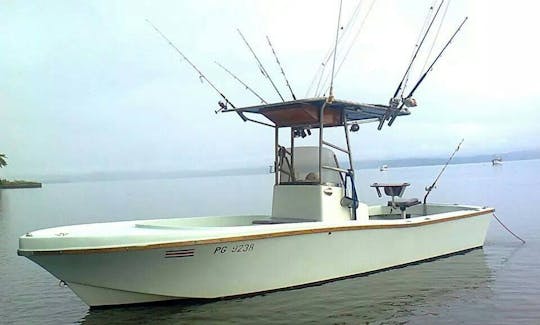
499	284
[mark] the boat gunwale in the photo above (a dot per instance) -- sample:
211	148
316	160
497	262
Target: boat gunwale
125	248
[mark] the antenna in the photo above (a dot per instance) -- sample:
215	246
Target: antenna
282	72
201	75
261	67
331	94
240	81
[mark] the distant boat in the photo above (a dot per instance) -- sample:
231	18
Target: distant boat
383	168
496	161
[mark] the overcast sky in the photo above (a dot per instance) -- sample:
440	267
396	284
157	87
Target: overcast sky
89	86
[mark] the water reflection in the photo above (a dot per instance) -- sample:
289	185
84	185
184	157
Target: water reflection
415	291
459	289
1	203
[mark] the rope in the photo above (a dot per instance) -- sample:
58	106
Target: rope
510	231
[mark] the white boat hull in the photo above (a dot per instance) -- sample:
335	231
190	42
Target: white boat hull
257	263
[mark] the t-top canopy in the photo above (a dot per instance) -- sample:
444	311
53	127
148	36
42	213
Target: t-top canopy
305	112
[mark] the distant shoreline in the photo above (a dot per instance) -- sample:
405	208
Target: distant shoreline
5	184
257	170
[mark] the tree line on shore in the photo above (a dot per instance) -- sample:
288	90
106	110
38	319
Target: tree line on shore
4	183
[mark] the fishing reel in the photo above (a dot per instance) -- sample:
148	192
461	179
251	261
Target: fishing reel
409	102
222	107
396	102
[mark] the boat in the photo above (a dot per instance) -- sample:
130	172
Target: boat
318	230
497	161
383	168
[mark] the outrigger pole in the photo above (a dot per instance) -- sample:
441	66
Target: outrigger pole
240	81
201	75
261	67
331	92
320	71
282	72
394	113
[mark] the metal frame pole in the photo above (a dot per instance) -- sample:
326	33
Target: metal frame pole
276	162
321	128
348	141
293	176
351	168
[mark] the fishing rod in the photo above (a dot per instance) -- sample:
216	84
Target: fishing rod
351	43
282	72
430	188
394	114
320	71
261	67
437	58
417	50
240	81
362	23
201	75
434	39
429	16
394	102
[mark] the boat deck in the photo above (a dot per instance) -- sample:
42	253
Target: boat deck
178	232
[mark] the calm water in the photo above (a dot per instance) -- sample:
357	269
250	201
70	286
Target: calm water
499	284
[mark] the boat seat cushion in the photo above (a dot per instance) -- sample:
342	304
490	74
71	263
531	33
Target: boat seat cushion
403	203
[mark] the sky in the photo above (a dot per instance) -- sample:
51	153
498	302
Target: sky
89	86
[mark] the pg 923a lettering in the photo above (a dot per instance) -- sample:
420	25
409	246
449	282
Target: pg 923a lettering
239	248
